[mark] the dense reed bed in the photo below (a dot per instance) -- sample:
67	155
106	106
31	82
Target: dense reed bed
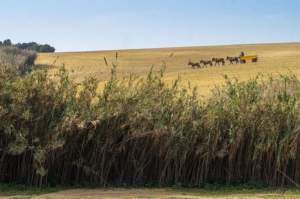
142	131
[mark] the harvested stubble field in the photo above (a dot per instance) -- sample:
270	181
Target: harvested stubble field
273	59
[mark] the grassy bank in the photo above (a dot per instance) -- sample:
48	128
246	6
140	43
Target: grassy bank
8	190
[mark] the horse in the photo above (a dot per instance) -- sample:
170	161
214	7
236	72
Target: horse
233	59
205	63
218	61
194	65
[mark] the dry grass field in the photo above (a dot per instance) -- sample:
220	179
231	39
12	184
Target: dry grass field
273	59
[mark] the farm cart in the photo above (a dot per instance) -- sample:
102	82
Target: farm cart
248	58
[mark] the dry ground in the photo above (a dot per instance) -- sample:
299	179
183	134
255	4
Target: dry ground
273	59
159	194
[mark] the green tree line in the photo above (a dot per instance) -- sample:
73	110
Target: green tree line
29	46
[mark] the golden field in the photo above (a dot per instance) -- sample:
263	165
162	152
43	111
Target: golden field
273	59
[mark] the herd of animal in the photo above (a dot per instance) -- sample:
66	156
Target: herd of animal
222	61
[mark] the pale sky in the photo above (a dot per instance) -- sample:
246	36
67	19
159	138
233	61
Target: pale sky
77	25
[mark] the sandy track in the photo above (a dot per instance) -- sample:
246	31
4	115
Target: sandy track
147	193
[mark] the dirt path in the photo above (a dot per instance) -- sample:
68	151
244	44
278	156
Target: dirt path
153	194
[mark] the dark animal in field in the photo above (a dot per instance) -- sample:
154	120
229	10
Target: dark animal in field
218	61
242	61
206	62
233	59
194	64
242	54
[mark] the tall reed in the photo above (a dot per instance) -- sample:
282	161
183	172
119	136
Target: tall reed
142	131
